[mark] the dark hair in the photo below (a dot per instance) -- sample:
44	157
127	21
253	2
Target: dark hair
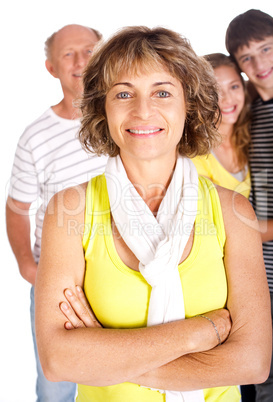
240	138
251	25
135	47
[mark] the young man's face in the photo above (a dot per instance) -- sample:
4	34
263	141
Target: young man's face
256	61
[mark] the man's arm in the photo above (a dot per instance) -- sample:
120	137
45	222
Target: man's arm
18	230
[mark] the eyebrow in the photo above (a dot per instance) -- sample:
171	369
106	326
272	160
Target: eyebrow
73	47
235	81
128	84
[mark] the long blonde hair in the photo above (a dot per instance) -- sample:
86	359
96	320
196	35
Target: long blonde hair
240	138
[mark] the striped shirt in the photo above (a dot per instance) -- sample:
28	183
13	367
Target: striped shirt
48	159
261	165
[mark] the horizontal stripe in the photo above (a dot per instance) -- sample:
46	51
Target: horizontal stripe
55	137
39	133
49	158
261	165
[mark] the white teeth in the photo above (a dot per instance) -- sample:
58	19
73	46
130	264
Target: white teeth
144	131
228	110
264	74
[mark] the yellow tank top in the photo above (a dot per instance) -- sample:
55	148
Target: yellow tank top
210	167
119	296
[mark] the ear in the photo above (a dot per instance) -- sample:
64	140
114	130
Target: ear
50	68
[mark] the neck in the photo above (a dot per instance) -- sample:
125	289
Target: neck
225	131
265	94
66	109
151	179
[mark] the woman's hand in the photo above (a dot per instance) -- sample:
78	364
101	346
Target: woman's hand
79	315
78	311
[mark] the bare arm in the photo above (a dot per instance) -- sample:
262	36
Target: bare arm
98	356
18	230
245	356
266	229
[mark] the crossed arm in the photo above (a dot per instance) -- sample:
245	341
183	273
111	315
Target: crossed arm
181	355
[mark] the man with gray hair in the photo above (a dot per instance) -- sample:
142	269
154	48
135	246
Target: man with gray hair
48	159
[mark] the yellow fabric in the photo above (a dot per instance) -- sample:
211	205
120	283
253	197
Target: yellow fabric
119	295
210	167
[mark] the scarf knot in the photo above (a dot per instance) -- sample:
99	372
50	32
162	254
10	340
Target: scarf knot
158	243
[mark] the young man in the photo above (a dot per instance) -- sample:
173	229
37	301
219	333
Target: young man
49	158
249	40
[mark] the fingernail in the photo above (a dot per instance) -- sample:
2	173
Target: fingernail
64	306
68	292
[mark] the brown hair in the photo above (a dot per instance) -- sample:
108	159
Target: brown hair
240	138
135	47
253	25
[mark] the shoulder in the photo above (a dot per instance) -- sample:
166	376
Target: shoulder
68	205
202	159
36	126
257	102
237	211
47	115
203	165
262	106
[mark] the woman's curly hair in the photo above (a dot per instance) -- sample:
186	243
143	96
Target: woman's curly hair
240	137
133	48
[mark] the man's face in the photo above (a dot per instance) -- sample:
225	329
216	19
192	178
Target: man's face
256	61
71	50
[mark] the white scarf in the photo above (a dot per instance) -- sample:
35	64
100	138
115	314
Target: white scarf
158	243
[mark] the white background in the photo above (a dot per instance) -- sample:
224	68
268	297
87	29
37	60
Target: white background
27	90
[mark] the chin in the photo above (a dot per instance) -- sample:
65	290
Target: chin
230	120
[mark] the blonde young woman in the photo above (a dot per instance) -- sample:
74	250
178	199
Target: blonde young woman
227	164
169	312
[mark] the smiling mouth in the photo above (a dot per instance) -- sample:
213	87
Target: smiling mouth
229	110
77	75
265	74
144	132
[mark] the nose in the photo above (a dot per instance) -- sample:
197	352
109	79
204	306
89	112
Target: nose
80	59
225	97
143	107
258	63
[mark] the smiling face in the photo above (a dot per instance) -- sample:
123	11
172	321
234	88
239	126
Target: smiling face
146	114
71	50
256	61
231	94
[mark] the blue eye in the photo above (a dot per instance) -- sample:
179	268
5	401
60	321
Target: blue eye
123	95
246	59
266	49
163	94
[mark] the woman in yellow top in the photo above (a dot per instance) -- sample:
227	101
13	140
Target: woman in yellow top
227	164
171	266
